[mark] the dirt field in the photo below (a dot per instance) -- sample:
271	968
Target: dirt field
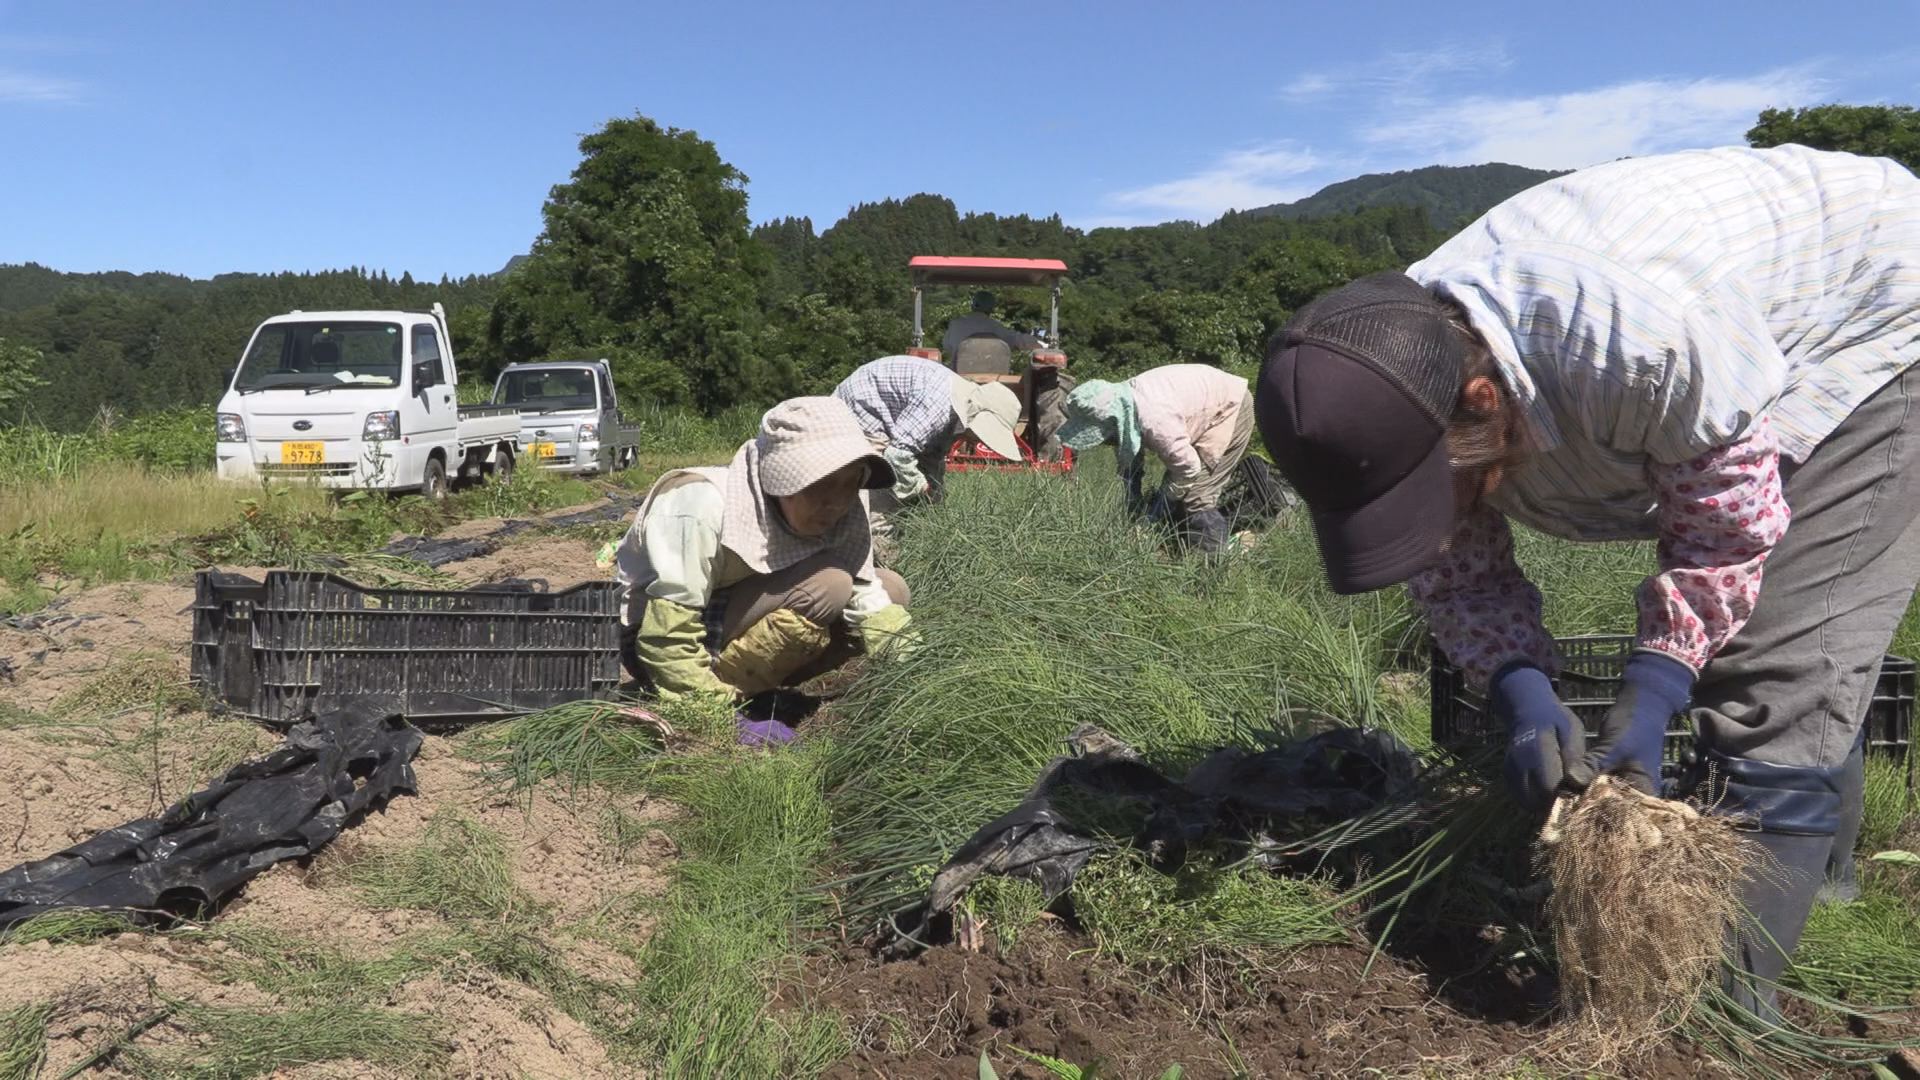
96	728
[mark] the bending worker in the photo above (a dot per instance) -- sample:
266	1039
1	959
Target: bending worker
1713	349
1194	417
760	575
914	409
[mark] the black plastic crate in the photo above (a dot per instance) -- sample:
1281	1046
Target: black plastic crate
1590	680
281	648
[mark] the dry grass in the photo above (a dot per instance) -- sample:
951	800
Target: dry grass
128	501
1644	891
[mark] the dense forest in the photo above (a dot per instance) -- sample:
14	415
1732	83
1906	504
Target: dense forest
648	256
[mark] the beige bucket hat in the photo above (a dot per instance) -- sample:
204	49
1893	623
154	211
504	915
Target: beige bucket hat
801	442
990	411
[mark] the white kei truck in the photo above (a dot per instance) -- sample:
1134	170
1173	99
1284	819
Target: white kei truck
360	400
570	418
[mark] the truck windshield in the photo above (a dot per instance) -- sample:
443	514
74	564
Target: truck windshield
315	354
548	388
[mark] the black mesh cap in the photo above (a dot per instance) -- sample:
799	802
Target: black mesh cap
1353	403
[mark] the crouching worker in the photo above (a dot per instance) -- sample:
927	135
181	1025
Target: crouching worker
1194	417
1712	349
757	576
914	409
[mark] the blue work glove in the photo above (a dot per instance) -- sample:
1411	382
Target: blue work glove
1653	689
1544	740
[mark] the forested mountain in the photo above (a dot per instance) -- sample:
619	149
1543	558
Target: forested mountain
647	256
1450	194
134	342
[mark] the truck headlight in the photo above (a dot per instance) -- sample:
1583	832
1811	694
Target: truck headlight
589	432
381	425
229	427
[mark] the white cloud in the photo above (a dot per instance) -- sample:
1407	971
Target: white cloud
27	87
1240	180
1309	86
1570	130
1399	76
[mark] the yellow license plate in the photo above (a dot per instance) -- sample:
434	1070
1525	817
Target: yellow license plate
545	449
303	453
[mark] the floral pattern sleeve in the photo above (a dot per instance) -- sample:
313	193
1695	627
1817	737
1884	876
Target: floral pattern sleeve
1482	609
1719	516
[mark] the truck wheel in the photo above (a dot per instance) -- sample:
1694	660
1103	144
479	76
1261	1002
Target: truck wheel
628	458
433	481
502	466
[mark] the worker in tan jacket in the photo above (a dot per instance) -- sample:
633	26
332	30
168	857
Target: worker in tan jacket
745	579
1196	418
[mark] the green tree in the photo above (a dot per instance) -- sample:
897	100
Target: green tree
646	254
19	374
1891	131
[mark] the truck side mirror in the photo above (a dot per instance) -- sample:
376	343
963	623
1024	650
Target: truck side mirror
426	374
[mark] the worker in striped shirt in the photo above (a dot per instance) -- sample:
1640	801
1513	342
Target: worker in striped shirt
913	410
1711	349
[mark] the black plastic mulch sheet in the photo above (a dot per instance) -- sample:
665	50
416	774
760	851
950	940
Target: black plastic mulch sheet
1239	796
287	804
435	551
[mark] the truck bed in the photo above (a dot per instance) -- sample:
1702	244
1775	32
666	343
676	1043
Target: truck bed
489	423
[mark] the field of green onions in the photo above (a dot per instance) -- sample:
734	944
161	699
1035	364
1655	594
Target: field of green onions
1042	609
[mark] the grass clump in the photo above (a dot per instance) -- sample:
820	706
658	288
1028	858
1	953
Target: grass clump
458	869
1161	923
23	1040
612	744
1049	609
1864	953
298	969
1889	802
754	835
233	1043
67	927
1006	906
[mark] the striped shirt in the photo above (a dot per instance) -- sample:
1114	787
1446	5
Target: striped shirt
1652	309
1670	328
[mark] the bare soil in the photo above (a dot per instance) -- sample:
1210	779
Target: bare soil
561	561
80	752
1323	1014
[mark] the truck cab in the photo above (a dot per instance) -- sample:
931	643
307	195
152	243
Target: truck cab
570	419
358	400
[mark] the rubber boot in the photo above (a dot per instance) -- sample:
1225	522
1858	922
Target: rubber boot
1841	886
1777	897
767	654
1208	529
1793	813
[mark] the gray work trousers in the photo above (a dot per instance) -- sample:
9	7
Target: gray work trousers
1793	685
1204	493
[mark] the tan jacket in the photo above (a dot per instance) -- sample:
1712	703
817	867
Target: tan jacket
1187	414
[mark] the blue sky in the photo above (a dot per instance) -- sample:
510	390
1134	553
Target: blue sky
205	137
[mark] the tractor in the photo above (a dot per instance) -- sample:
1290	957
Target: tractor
989	358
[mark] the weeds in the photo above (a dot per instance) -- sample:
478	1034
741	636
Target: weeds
1889	801
1159	923
65	928
590	742
23	1040
230	1043
458	869
755	831
1865	953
